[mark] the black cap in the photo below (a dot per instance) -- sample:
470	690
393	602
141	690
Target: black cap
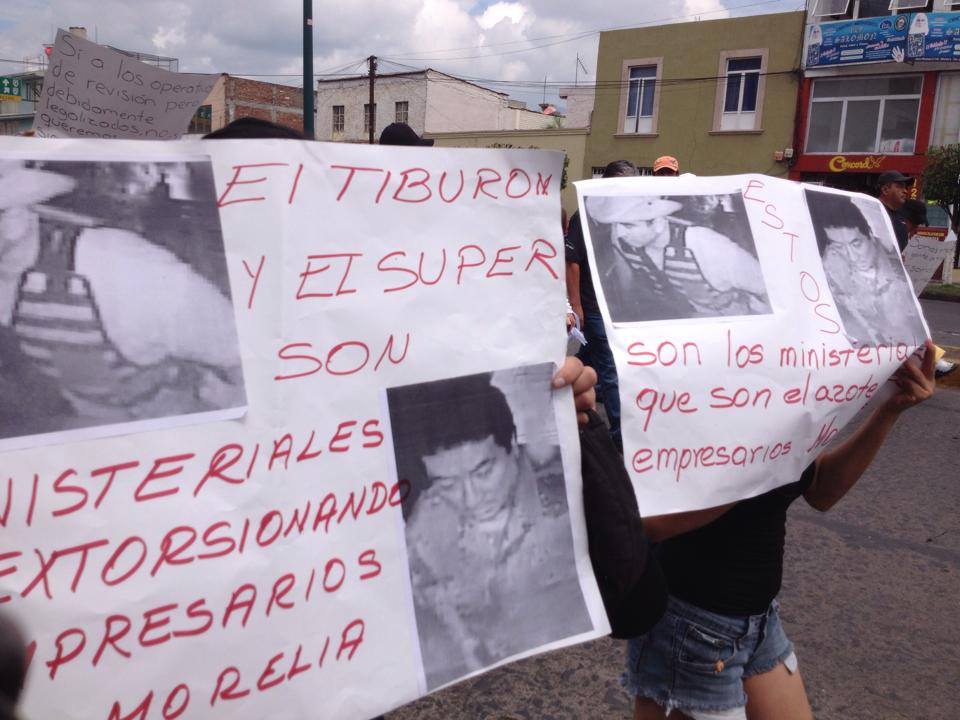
893	176
401	134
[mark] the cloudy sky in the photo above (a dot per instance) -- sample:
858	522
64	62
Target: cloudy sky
510	45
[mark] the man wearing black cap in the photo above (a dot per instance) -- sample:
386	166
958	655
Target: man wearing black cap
892	191
399	133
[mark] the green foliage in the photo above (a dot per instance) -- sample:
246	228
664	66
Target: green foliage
941	178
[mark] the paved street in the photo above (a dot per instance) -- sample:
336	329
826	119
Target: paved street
871	596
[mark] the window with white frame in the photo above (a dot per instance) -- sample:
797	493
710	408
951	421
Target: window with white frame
864	115
852	9
641	97
338	118
946	117
872	8
369	118
831	8
740	90
402	111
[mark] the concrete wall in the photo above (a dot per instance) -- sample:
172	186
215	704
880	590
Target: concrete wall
571	142
580	100
686	117
353	94
457	106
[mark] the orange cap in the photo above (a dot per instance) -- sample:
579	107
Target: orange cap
666	161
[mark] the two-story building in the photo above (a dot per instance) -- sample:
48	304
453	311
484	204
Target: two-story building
429	101
718	95
881	85
19	95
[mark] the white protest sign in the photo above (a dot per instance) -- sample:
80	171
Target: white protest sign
750	318
923	256
399	507
92	91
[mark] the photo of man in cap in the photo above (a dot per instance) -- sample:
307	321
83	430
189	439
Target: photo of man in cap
893	191
114	291
660	258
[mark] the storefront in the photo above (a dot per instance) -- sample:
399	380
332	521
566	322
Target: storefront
854	127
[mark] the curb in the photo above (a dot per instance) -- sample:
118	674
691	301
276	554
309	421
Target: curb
945	297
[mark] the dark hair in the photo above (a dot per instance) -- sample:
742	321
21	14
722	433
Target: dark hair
443	414
620	168
834	210
399	133
250	128
13	654
915	211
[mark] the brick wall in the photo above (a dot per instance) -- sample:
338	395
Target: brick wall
281	104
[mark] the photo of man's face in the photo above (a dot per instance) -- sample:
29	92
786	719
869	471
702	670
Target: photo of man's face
489	544
640	233
478	476
859	249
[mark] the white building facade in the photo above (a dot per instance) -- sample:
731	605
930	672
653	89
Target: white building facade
427	100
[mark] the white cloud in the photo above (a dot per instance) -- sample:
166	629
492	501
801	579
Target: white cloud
167	38
512	11
463	37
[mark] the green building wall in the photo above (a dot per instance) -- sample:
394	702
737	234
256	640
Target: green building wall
688	90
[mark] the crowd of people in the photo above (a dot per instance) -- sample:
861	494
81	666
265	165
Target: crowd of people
694	594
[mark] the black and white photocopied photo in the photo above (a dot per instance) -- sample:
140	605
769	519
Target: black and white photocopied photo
862	265
115	304
675	257
487	523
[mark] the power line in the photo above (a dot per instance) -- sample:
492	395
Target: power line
600	84
569	37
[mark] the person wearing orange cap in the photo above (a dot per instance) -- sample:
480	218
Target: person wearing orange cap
666	165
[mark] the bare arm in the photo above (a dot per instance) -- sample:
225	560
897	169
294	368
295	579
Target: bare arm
661	527
573	288
839	469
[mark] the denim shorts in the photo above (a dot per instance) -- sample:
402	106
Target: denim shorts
696	660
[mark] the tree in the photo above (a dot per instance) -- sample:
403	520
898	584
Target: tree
941	180
941	183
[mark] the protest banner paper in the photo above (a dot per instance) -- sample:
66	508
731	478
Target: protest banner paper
262	567
923	255
93	91
750	318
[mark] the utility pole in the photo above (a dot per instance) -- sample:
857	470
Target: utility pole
372	71
308	116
